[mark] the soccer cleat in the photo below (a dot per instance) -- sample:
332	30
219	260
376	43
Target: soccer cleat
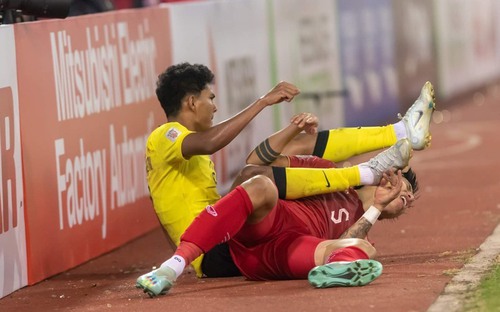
418	118
335	274
155	284
396	157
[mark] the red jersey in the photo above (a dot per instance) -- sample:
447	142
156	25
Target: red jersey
282	245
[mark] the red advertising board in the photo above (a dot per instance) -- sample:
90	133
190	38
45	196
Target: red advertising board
87	104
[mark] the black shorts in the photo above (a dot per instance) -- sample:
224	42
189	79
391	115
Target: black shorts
219	263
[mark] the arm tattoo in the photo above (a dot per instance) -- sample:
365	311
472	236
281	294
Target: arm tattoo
265	152
358	230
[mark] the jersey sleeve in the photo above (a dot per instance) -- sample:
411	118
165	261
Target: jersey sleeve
309	161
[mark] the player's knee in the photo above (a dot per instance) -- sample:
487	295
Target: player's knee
250	171
262	192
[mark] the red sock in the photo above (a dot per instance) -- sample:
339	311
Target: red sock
350	253
188	251
220	222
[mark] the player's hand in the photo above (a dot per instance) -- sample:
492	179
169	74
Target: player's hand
388	189
306	121
283	91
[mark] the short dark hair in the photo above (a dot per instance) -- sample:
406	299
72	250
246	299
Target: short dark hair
412	178
179	80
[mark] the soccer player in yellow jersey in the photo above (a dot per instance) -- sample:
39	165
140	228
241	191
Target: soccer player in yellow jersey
181	176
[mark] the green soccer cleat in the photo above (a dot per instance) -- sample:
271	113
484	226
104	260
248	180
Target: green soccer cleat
155	284
344	274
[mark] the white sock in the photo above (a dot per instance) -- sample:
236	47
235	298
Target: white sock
400	130
366	176
176	264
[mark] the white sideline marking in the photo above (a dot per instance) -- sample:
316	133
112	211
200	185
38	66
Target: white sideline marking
454	294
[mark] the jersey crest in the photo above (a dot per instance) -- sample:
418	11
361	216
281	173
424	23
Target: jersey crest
172	134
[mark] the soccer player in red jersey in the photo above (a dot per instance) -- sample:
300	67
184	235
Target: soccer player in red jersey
270	238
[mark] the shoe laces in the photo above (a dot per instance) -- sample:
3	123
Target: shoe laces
385	161
406	116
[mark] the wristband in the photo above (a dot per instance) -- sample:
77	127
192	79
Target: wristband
371	215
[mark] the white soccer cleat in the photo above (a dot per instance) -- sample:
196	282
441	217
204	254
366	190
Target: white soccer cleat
418	118
396	157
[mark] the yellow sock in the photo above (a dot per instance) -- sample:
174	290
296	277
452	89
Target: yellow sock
295	182
340	144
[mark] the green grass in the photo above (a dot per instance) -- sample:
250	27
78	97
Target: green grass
487	296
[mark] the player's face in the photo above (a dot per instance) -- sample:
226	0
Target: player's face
399	205
205	109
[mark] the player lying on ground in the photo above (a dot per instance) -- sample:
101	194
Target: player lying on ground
181	176
270	238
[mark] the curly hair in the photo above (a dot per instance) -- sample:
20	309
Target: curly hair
179	80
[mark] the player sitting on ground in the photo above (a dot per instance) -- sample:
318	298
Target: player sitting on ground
181	176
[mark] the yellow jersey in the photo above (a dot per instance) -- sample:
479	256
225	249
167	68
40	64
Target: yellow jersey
180	188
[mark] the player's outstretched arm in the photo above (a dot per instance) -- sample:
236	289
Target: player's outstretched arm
388	189
210	141
359	229
267	152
